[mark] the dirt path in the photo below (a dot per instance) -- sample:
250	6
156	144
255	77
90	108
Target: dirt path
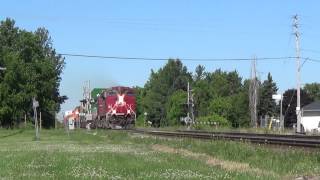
213	161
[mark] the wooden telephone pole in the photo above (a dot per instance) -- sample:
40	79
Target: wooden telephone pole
297	37
253	94
190	104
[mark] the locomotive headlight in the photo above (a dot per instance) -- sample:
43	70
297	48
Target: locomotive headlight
114	111
128	111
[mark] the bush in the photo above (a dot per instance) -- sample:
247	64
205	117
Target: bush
215	118
140	121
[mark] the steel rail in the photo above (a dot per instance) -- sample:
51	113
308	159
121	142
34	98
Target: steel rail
287	140
302	136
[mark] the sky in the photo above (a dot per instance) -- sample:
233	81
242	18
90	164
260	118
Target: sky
171	29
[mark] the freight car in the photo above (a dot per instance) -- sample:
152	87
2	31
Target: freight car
116	108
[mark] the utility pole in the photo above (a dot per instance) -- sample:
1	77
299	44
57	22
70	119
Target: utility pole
297	37
40	122
89	98
281	115
86	101
253	93
55	120
188	101
190	104
25	120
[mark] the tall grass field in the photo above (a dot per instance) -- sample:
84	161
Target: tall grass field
106	154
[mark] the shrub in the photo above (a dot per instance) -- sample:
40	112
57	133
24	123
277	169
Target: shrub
215	118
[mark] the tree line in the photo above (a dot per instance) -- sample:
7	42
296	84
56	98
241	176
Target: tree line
33	69
219	96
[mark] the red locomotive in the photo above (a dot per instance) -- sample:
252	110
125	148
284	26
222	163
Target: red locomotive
116	108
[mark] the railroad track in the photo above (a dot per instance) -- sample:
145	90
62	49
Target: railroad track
288	140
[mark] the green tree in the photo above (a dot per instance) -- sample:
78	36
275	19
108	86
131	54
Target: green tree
233	108
239	115
218	82
202	97
289	105
221	106
199	73
313	90
222	93
140	95
33	70
217	95
214	85
160	86
267	105
176	107
222	83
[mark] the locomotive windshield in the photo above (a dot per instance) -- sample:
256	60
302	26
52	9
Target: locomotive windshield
112	93
130	93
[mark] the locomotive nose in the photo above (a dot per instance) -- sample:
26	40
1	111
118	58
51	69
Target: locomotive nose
120	100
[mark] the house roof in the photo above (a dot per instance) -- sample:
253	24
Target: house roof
315	106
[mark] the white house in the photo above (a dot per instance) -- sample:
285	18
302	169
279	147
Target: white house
310	119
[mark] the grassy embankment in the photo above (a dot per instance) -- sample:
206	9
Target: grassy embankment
118	155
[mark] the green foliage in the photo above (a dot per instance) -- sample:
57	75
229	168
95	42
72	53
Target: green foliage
267	105
140	122
313	90
176	107
221	106
202	97
159	88
232	108
290	103
222	93
240	112
199	73
95	92
219	120
217	93
33	70
224	83
139	92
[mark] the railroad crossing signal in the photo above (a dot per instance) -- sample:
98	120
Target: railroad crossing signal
35	104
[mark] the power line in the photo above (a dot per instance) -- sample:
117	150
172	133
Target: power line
311	50
313	60
113	57
165	59
186	59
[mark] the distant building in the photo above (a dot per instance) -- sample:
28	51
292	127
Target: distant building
71	118
311	117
